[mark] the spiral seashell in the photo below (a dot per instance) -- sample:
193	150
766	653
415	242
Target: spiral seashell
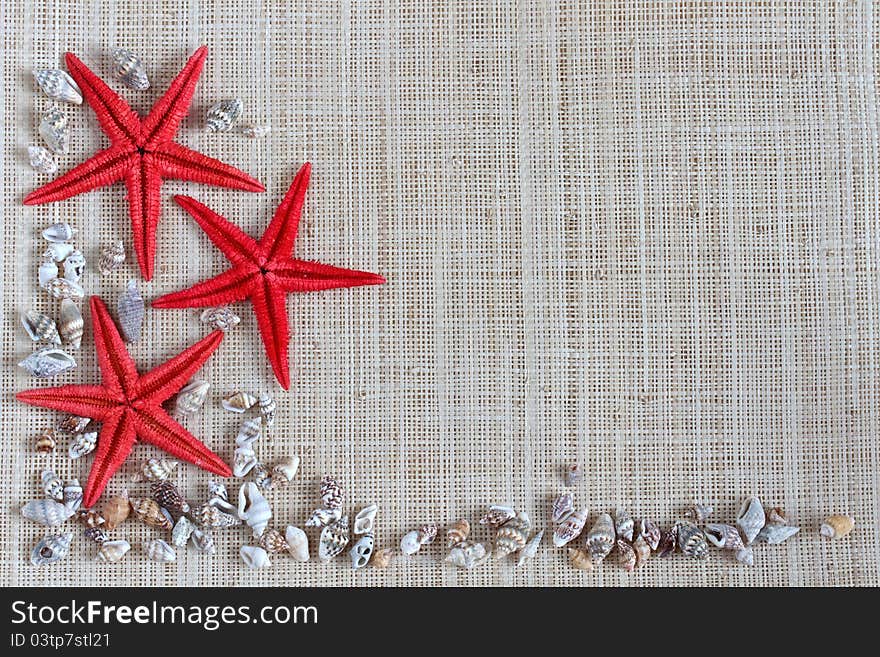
73	424
183	529
700	512
71	323
149	512
41	160
46	512
287	468
642	550
130	310
365	520
90	517
53	487
427	534
457	532
297	543
512	535
46	442
331	493
249	432
573	476
212	517
239	402
410	543
623	524
580	559
129	68
58	251
58	85
217	493
48	362
570	528
252	131
334	538
112	551
169	497
40	327
267	409
467	554
112	256
601	537
725	537
692	541
116	510
563	506
223	115
382	558
72	495
253	508
837	526
262	477
530	549
361	551
650	532
47	272
60	232
220	317
628	558
156	470
97	534
203	541
254	556
497	515
191	397
324	517
61	288
55	131
51	549
751	518
74	266
159	550
776	534
82	444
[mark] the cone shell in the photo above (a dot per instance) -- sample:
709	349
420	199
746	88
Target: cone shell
628	558
751	518
530	549
239	402
650	532
183	529
570	528
113	551
130	309
254	556
149	512
55	131
40	327
112	256
159	550
457	532
71	323
382	558
601	537
580	559
223	115
46	442
365	520
692	540
334	538
221	317
512	535
41	160
361	551
212	517
156	469
48	362
331	492
82	444
60	232
58	85
253	508
837	526
725	537
203	541
53	487
297	543
116	510
46	512
623	524
563	506
273	542
129	68
51	549
642	550
497	515
467	554
169	497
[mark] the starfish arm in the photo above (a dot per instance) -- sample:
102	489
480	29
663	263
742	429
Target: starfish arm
118	372
237	246
85	401
104	168
115	441
279	237
165	117
116	117
156	427
230	286
268	300
159	384
143	182
304	276
181	163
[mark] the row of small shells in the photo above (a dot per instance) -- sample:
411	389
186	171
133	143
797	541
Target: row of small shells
225	115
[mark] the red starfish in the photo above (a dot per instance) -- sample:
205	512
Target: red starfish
263	271
130	404
141	153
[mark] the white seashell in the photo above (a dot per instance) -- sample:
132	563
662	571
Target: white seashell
60	232
58	251
239	402
156	470
297	542
52	485
72	495
563	506
220	317
324	517
725	537
530	549
249	432
46	512
746	556
623	524
217	491
41	160
48	362
252	131
183	529
570	528
334	538
112	551
129	68
497	515
410	543
267	409
212	517
112	256
288	468
254	556
61	288
365	519
74	266
700	512
467	554
600	539
191	397
70	323
40	327
55	131
361	551
244	460
82	444
48	272
159	550
51	549
751	518
223	115
203	541
130	309
58	85
776	534
253	508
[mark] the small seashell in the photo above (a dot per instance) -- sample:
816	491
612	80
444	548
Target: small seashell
212	517
512	535
73	424
287	469
51	549
331	492
252	131
130	309
249	432
46	512
60	232
72	495
668	541
159	550
58	85
651	533
55	131
116	510
600	538
129	68
46	442
97	534
623	524
82	444
467	554
723	536
112	551
267	409
297	543
273	542
262	477
203	541
777	516
365	520
746	556
580	559
71	323
220	317
223	115
699	512
244	460
410	543
112	256
334	538
156	470
90	517
642	550
40	327
751	518
776	534
48	272
41	160
74	266
253	508
570	528
149	512
628	558
239	402
324	517
254	556
191	397
53	487
573	476
457	532
48	362
58	251
183	529
382	558
530	549
427	534
837	526
692	540
217	493
61	288
497	515
563	506
169	497
361	551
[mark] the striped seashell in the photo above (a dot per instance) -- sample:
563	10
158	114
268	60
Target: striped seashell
601	537
427	534
191	397
82	444
159	550
623	524
837	526
220	317
150	513
73	424
273	542
116	510
42	160
267	408
239	402
74	266
203	541
97	534
130	309
382	558
169	497
212	517
53	487
628	558
129	68
55	131
46	512
324	517
365	520
90	517
668	541
512	535
58	85
112	256
254	556
457	533
183	529
570	528
692	540
48	362
47	272
51	549
58	251
46	442
297	543
61	288
530	549
497	515
40	327
287	468
223	115
361	551
642	550
331	492
751	518
726	537
113	551
156	470
563	506
467	554
60	232
252	131
71	324
580	559
72	495
334	538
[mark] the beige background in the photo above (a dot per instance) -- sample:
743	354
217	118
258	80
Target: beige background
639	236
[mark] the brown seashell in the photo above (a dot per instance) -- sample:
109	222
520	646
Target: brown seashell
149	512
650	532
273	542
497	515
169	497
776	516
112	256
212	517
97	534
580	559
457	532
331	493
239	402
73	424
726	537
512	535
116	510
600	538
837	526
642	549
90	517
666	545
382	558
46	442
563	506
628	558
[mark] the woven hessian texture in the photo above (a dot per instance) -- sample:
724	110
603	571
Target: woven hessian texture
637	236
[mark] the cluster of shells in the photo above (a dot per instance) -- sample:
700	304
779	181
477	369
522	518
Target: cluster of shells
225	116
263	409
